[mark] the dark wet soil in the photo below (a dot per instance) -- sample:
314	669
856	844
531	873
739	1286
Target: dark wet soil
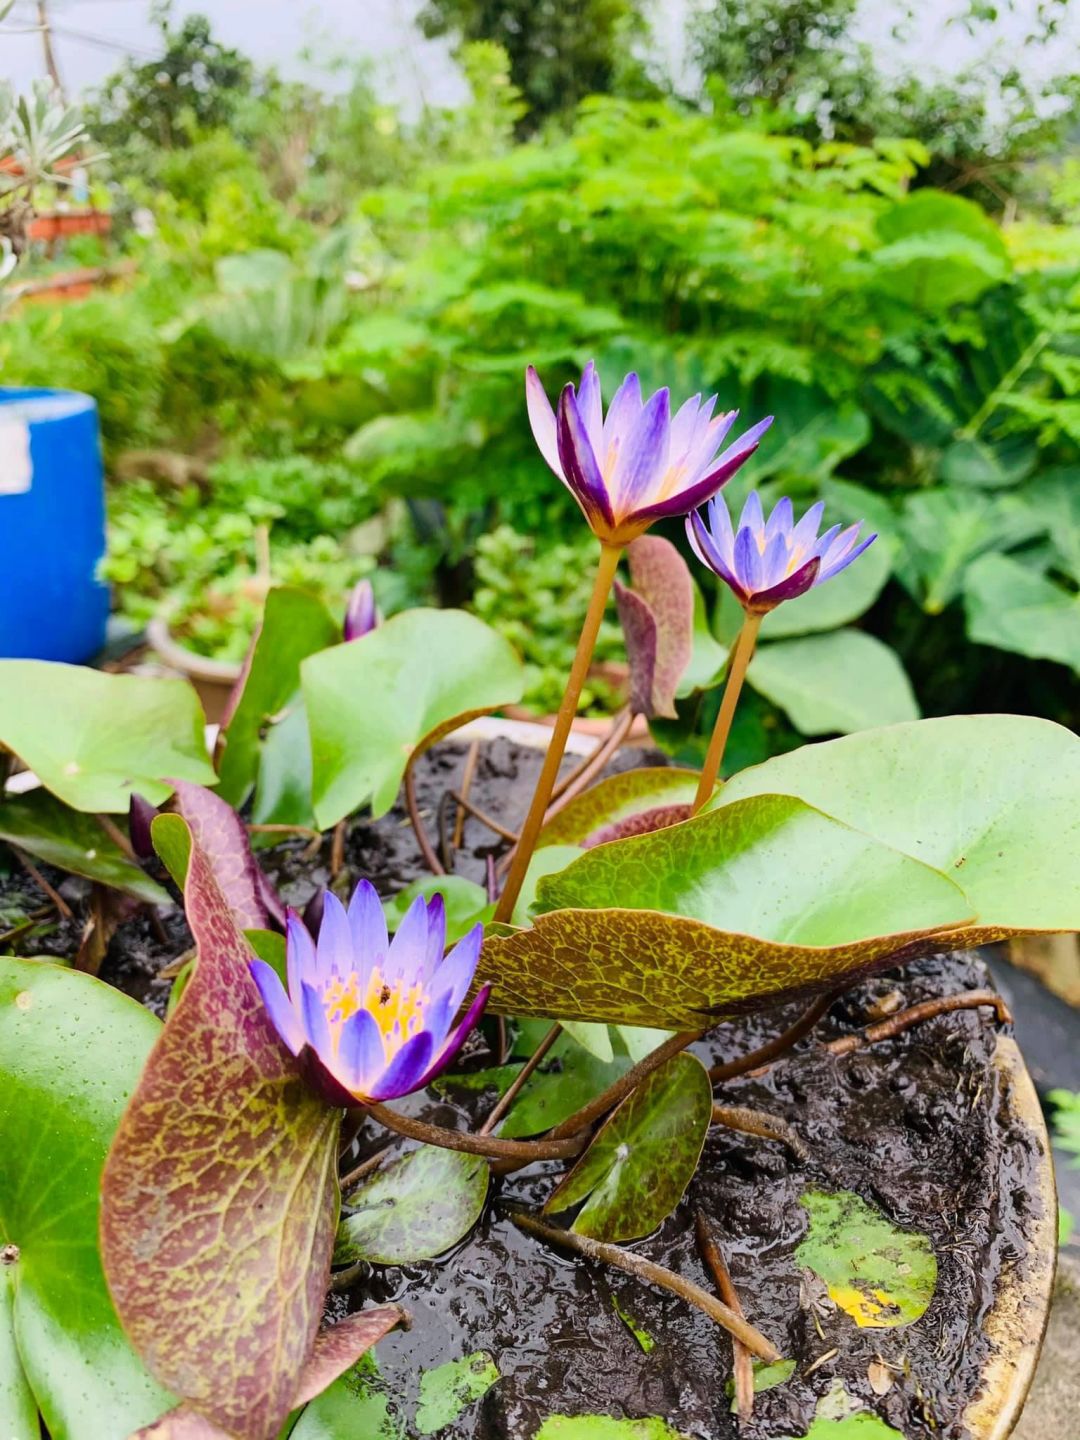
915	1125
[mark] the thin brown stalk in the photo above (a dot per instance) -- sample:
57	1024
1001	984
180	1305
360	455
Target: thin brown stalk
916	1014
116	835
490	1145
773	1049
499	1110
365	1168
35	874
465	806
758	1122
305	830
743	1362
431	860
741	654
580	777
463	796
337	849
609	1098
523	853
652	1274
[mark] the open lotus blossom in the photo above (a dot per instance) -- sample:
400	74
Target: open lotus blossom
640	463
372	1018
765	562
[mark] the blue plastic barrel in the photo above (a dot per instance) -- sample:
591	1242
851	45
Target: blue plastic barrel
52	526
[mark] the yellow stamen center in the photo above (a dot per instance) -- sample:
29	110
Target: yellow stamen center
397	1008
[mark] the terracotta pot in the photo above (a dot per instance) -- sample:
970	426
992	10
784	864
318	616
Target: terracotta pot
213	679
61	224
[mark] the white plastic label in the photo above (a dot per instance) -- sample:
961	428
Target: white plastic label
16	467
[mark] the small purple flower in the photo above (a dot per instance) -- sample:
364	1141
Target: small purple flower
766	562
361	616
640	463
370	1018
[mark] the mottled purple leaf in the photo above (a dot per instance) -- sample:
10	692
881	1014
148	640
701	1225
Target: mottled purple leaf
222	836
219	1199
657	614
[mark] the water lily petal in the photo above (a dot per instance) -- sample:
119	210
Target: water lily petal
361	1054
623	411
367	927
282	1015
542	421
449	1051
407	957
781	522
316	1027
643	455
685	428
833	566
454	975
788	589
334	950
747	559
300	961
752	517
406	1070
579	463
436	938
805	532
591	407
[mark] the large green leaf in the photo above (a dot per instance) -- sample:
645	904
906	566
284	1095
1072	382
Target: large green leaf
355	1407
268	722
413	1209
840	682
991	800
681	926
72	1050
1053	500
378	702
1012	606
940	250
220	1191
94	738
622	804
642	1159
810	437
38	823
878	1274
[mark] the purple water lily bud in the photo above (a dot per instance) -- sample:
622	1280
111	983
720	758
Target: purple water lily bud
140	817
764	562
369	1018
361	616
640	463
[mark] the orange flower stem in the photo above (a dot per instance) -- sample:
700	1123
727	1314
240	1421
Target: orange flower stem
740	659
530	831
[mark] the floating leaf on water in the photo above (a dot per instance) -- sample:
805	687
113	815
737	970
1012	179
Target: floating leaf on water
641	1335
766	1377
448	1391
878	1274
565	1080
414	1208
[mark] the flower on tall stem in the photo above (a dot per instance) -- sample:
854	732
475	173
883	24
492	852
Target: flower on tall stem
639	463
372	1018
763	563
627	469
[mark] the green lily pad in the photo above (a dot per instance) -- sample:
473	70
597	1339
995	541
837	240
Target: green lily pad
608	809
547	861
596	1039
447	1391
993	801
466	903
93	738
687	924
878	1274
862	1425
643	1157
72	1050
766	1377
566	1079
39	824
268	729
835	683
414	1209
220	1281
375	704
605	1427
356	1407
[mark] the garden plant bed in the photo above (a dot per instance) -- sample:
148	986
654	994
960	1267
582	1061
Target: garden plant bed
932	1128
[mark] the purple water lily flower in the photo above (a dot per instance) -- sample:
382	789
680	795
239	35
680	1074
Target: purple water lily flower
640	463
371	1018
765	562
361	616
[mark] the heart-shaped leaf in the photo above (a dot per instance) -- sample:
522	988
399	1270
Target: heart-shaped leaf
642	1159
93	738
991	800
38	823
840	682
220	1192
71	1052
878	1274
657	616
414	1209
630	803
691	923
267	730
375	704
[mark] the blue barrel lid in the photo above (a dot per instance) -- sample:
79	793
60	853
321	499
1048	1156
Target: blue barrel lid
33	406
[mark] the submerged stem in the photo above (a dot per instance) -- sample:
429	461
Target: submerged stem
654	1274
605	574
760	1123
741	653
773	1049
619	1089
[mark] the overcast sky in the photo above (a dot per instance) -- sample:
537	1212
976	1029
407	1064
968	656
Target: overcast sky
91	37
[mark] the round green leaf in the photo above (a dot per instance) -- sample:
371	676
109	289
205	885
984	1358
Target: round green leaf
92	738
72	1051
605	1427
376	702
991	800
642	1159
878	1274
414	1209
840	682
